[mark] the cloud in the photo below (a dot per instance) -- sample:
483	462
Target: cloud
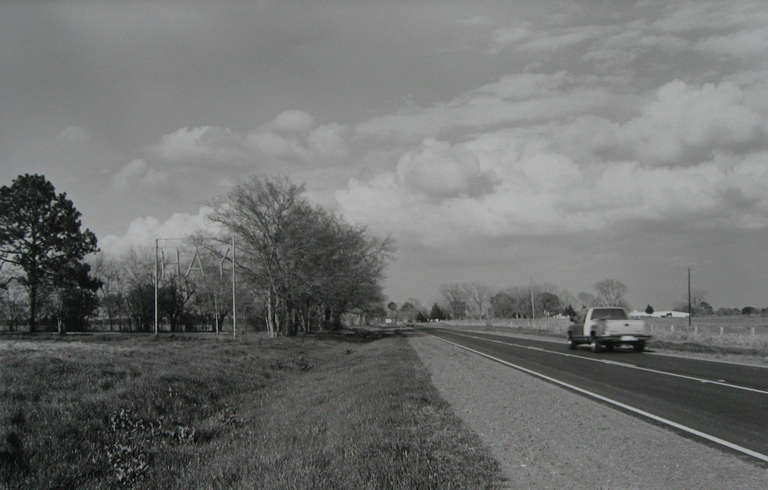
290	136
74	135
692	155
684	124
138	172
203	144
142	232
524	98
293	121
743	44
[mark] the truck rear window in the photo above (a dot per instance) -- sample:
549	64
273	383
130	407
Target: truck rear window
609	314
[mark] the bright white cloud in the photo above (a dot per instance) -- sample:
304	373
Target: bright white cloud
200	145
292	135
690	155
142	232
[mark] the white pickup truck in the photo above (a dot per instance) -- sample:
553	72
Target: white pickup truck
606	327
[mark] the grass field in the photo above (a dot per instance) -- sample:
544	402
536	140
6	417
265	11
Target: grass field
180	412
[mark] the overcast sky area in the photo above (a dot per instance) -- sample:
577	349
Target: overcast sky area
569	141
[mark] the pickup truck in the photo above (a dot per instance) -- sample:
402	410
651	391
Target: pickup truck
607	327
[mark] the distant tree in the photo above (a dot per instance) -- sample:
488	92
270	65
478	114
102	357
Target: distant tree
569	311
455	297
749	310
649	310
548	302
40	233
477	297
436	313
705	309
586	300
420	317
408	311
611	292
698	303
503	305
724	311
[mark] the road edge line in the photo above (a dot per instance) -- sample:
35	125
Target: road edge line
638	411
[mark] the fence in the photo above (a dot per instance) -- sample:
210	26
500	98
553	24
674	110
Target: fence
726	331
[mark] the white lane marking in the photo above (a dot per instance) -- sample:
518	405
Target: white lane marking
663	354
719	382
684	428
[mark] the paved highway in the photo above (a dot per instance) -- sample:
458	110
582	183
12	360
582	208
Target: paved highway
723	404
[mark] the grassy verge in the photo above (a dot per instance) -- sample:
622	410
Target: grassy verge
320	412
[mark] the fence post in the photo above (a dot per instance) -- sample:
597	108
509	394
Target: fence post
753	331
671	329
721	331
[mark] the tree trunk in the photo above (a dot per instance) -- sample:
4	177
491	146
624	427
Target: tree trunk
32	306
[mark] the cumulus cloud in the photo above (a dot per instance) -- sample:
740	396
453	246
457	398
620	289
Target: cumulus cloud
691	154
138	172
538	191
142	232
682	124
74	135
204	144
291	135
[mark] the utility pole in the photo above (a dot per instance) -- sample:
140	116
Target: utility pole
533	308
690	310
157	280
234	302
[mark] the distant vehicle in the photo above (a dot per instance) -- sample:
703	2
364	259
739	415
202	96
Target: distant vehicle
607	327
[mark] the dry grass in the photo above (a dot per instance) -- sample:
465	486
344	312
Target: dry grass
329	412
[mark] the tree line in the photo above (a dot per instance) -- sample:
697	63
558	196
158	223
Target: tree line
299	266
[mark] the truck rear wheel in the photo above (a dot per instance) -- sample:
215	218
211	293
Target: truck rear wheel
639	346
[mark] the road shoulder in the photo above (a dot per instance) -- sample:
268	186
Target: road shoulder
547	437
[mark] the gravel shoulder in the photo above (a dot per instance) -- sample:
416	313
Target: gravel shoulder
547	437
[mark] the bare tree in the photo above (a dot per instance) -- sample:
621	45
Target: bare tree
611	292
305	263
478	296
455	297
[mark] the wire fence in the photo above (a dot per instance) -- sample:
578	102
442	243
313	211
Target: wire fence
727	331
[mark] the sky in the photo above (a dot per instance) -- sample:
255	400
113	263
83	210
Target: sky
494	141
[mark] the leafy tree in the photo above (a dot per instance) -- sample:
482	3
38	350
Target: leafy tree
40	233
503	305
420	317
436	313
569	311
649	310
548	302
749	310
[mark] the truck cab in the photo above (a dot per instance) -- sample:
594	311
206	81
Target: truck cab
607	327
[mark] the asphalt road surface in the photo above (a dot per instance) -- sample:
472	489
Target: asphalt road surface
721	404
